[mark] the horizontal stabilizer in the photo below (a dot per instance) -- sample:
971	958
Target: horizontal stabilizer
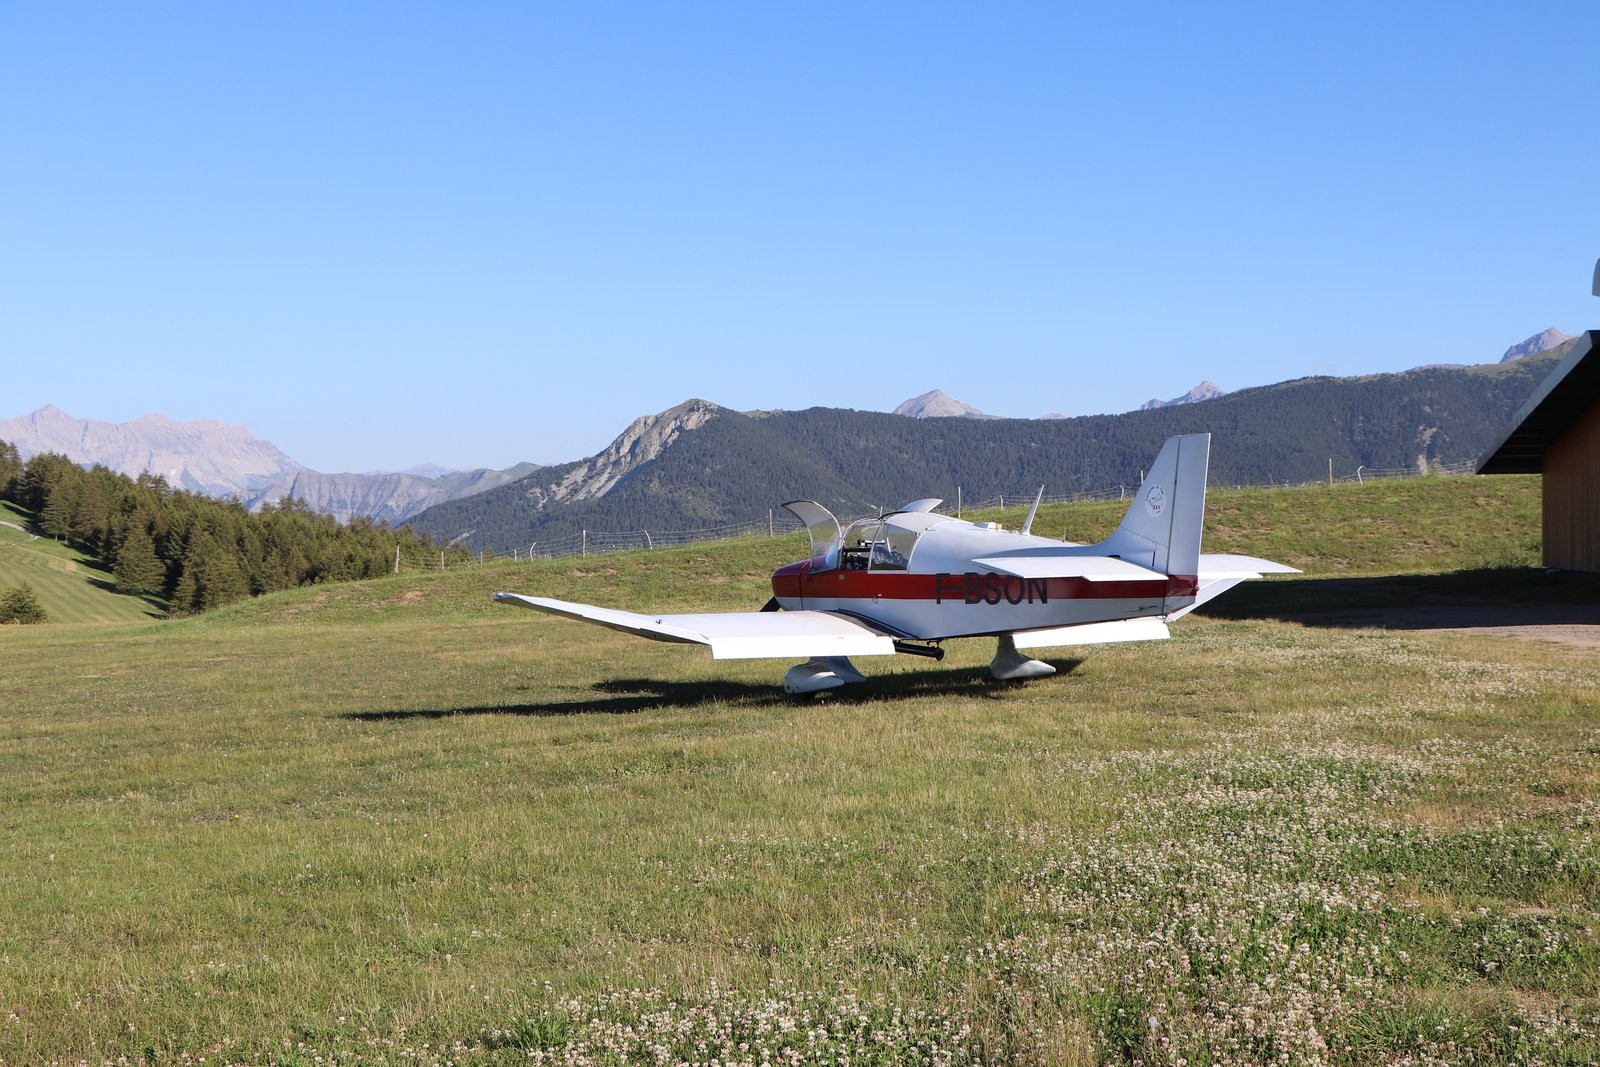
731	635
1092	568
1220	572
1094	633
1218	565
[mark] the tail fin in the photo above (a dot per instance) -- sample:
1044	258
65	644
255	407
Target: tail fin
1161	529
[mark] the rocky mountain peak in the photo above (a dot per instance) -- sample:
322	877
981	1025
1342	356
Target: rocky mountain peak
936	404
642	442
1539	342
1206	390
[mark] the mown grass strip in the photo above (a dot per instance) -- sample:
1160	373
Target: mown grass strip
71	586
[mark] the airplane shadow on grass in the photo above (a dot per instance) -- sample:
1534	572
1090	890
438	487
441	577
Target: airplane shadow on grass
626	696
1487	597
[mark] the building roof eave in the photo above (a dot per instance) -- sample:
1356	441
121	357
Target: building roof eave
1567	392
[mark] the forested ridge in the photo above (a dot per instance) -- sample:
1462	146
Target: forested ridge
191	551
736	466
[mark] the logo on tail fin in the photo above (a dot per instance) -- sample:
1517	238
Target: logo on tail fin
1155	501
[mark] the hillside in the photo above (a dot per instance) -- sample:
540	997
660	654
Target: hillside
71	586
731	467
188	550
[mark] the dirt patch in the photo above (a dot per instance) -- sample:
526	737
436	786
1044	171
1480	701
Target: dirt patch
1567	624
1528	605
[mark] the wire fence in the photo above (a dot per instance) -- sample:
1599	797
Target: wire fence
1361	475
778	523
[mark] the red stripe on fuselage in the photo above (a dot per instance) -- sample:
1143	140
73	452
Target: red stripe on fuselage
971	587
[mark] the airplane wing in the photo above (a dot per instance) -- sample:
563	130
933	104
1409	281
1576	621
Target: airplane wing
731	635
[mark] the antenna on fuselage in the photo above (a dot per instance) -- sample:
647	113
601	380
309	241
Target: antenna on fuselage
1027	524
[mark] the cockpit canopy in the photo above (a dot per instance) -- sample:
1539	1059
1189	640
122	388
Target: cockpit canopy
879	544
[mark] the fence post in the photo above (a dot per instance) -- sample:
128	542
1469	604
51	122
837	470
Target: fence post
397	559
585	549
647	542
769	522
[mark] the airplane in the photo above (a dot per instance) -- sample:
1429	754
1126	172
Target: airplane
907	581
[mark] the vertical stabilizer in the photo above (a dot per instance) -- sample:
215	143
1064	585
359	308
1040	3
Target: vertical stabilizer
1161	528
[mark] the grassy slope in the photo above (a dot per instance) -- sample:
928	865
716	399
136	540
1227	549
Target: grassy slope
71	586
376	819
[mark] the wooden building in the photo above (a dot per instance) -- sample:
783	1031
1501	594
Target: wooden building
1557	434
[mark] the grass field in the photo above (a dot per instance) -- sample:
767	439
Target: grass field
388	822
71	586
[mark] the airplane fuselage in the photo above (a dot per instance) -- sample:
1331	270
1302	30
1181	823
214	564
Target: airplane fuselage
971	601
938	587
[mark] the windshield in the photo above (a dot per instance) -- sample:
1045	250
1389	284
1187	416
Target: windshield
873	544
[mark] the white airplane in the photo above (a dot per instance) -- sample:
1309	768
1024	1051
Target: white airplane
906	581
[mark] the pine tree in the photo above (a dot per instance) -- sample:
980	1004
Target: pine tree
55	518
20	604
10	470
137	569
221	581
197	551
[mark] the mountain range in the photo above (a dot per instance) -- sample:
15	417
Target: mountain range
223	460
698	465
208	457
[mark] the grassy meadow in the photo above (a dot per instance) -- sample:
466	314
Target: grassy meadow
390	822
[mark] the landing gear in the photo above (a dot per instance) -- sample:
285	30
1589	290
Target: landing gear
1009	665
819	673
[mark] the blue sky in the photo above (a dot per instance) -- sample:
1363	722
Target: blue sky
380	234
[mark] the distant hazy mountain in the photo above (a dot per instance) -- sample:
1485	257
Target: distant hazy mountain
935	404
1204	391
423	470
1539	342
390	497
698	466
207	457
221	460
